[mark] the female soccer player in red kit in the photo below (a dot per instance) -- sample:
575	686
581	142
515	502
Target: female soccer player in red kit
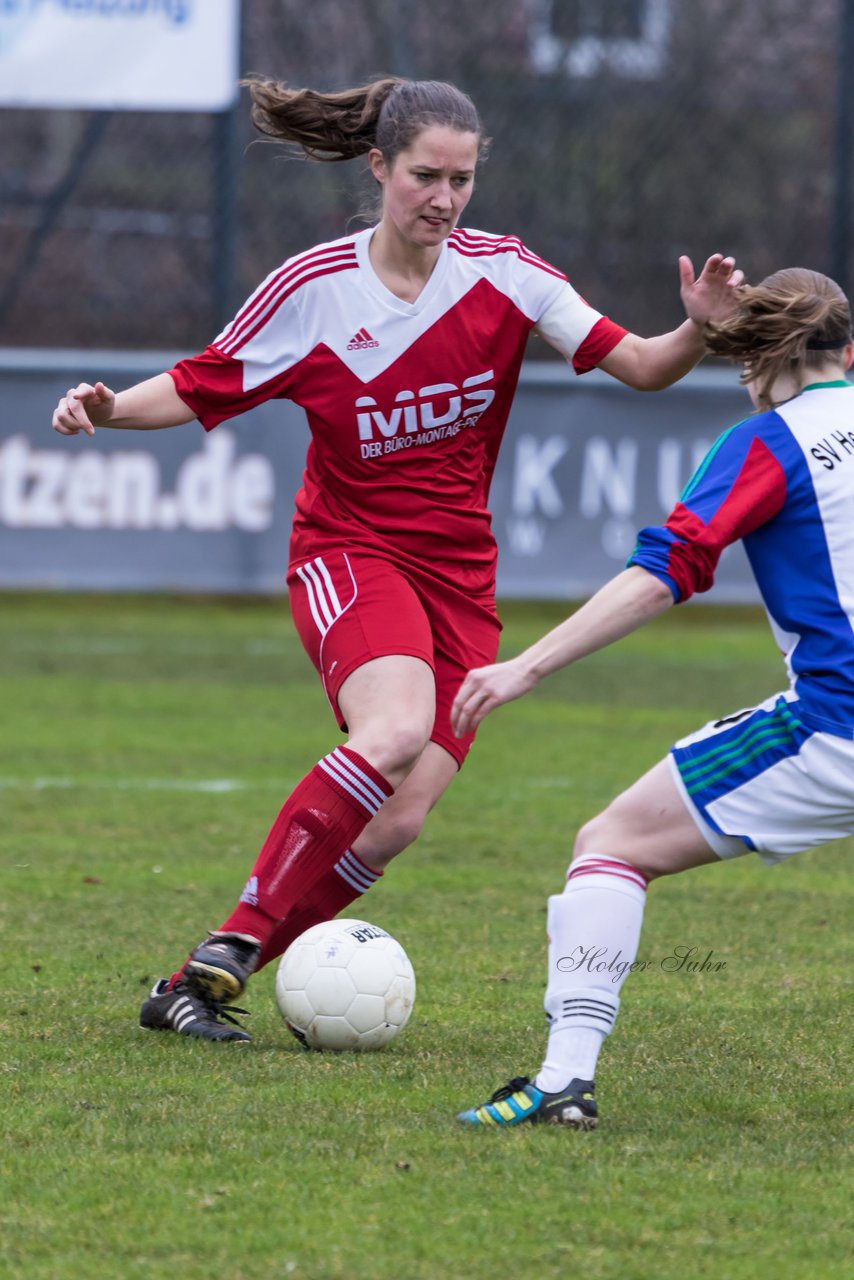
403	344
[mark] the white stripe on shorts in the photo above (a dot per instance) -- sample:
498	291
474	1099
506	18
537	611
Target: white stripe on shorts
322	597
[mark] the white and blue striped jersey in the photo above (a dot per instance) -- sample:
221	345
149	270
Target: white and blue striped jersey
782	481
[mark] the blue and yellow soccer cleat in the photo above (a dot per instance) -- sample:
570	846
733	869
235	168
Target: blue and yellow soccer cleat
521	1102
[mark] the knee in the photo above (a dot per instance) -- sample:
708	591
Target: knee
595	836
393	750
604	836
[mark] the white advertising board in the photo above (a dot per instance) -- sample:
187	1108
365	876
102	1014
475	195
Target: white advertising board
119	55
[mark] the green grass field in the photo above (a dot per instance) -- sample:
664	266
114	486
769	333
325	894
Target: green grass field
148	744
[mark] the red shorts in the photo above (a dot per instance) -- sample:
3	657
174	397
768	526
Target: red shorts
350	608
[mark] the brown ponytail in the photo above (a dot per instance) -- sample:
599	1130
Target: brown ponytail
386	113
794	320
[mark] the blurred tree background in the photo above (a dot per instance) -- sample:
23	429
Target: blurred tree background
625	132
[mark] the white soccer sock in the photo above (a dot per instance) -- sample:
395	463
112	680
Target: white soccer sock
594	928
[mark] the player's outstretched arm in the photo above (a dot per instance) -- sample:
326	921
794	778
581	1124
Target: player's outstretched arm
625	603
650	364
146	406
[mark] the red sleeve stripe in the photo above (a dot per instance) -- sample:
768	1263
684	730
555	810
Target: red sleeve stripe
470	246
241	340
307	266
756	495
599	343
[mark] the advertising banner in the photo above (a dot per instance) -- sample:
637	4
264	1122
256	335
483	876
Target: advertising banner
584	465
588	462
120	55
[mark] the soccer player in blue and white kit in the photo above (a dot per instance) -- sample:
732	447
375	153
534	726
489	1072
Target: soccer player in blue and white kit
774	779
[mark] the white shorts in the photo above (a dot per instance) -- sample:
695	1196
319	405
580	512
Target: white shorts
762	780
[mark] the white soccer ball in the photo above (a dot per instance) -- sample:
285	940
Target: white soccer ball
345	984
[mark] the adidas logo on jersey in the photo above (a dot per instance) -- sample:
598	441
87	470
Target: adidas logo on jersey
361	341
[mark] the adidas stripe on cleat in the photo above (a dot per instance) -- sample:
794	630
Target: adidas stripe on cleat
187	1013
221	966
521	1102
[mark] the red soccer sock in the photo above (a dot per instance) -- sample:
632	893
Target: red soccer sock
342	884
323	815
346	881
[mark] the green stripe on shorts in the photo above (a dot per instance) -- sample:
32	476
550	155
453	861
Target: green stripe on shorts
712	765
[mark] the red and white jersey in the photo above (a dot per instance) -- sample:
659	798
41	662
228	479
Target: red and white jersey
406	401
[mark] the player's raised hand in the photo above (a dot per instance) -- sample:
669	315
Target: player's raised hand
83	408
711	295
486	688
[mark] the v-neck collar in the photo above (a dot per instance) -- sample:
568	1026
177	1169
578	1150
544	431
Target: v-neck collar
379	290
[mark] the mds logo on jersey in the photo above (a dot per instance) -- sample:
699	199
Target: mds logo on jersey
424	416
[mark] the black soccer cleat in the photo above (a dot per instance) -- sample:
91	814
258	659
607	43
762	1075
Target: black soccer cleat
189	1014
221	966
521	1102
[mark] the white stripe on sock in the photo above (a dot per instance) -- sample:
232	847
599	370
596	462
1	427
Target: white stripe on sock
355	873
350	784
377	791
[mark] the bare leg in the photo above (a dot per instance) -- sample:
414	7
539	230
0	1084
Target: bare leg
649	827
389	705
400	820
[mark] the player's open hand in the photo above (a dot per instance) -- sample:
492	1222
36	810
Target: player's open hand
486	688
711	295
83	408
